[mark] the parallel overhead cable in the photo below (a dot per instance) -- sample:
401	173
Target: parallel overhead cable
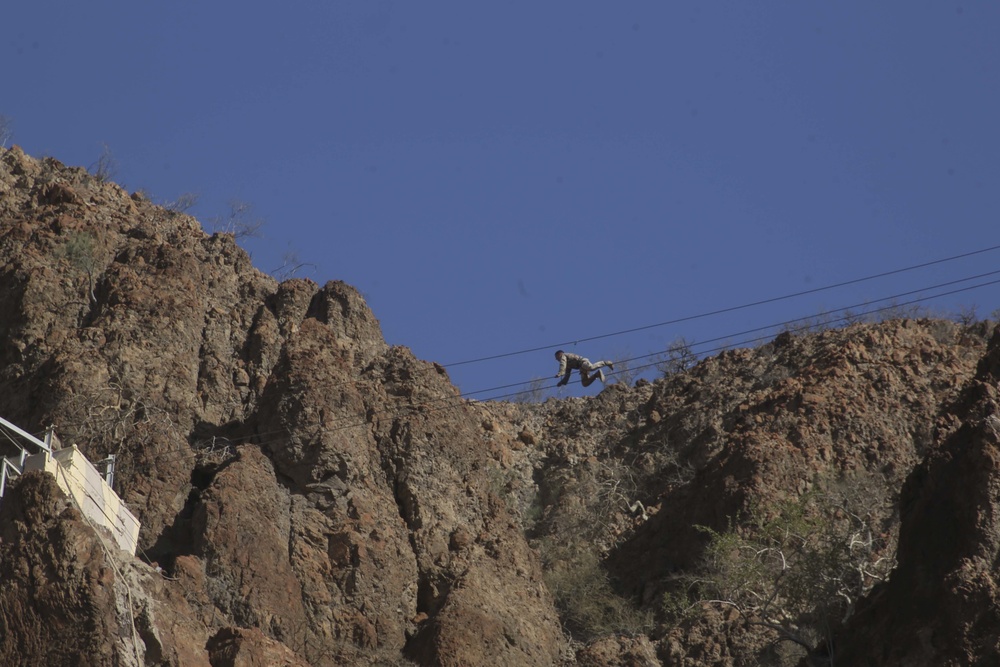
724	310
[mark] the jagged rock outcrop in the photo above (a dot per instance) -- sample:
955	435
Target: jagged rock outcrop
292	472
310	495
940	606
57	598
857	407
761	425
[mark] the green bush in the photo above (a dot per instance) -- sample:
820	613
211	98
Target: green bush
82	252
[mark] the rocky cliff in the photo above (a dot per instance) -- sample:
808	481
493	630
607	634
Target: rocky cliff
310	495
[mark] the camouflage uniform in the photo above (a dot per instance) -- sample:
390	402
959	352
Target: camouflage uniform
568	362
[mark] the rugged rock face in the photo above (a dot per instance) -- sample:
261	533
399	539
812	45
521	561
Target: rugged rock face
292	473
940	606
310	495
740	435
58	596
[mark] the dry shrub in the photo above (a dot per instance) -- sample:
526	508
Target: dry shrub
585	599
800	570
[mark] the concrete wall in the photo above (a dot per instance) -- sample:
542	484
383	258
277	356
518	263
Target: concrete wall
78	478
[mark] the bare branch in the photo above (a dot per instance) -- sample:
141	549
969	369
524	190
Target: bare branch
241	221
106	166
6	130
183	202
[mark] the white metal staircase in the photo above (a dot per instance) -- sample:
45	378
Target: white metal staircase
14	467
77	477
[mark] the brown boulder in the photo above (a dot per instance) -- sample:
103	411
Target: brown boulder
241	647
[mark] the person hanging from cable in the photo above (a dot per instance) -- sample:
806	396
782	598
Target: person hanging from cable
569	361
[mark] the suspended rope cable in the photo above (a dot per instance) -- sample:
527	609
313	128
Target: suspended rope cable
725	310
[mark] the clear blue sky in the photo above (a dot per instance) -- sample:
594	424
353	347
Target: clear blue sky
510	175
